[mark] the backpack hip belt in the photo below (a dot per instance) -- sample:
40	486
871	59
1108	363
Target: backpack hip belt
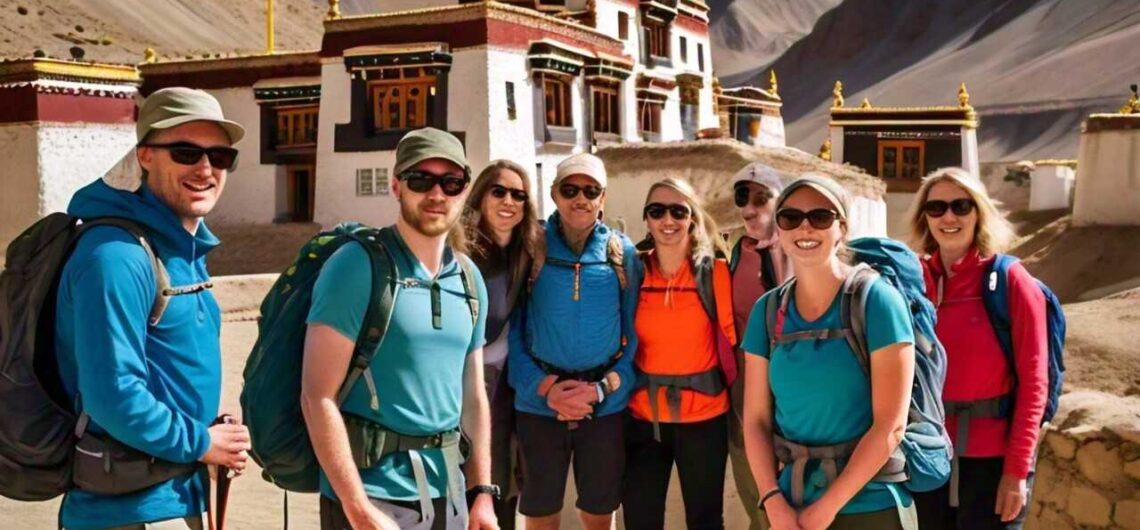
965	411
596	373
709	382
832	460
370	442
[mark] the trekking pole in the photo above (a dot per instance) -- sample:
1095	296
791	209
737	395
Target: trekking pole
217	519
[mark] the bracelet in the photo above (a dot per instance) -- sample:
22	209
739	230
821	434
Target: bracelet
771	493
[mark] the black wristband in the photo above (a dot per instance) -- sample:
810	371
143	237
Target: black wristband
771	493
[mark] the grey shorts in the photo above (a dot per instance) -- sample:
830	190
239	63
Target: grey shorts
406	514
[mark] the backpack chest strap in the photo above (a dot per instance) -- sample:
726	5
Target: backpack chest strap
966	411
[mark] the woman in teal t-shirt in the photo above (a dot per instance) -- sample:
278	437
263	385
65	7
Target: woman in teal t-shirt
814	392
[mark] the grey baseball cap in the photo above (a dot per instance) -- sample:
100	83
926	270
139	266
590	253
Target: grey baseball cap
761	174
171	107
427	143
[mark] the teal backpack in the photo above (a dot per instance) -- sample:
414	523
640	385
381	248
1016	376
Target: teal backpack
271	396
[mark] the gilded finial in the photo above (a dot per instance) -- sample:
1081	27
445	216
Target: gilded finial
1133	104
334	10
149	56
773	87
837	95
866	104
825	150
716	85
963	97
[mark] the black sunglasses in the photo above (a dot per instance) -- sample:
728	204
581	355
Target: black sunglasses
451	184
569	191
742	194
656	211
820	218
960	207
188	154
500	192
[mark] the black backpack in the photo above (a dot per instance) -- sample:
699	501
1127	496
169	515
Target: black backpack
38	428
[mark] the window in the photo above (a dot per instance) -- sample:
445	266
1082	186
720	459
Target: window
684	45
657	37
556	94
296	126
623	25
902	160
700	57
402	98
605	110
371	182
512	113
649	116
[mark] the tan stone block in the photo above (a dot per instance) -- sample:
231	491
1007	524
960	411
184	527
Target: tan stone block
1101	465
1063	447
1132	469
1089	507
1048	519
1045	482
1127	514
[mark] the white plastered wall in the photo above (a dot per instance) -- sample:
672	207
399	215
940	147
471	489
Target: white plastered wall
1051	187
1108	190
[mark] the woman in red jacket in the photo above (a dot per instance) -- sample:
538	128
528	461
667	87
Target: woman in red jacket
994	409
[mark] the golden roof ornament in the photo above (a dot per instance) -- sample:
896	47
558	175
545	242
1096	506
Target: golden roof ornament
866	104
773	87
963	96
1133	104
837	95
825	150
149	56
334	10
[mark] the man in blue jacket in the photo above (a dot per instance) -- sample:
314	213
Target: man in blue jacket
571	355
152	386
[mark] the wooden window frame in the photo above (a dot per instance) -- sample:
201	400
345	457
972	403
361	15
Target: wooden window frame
658	36
382	93
897	182
605	102
700	57
623	25
649	116
683	44
557	106
295	125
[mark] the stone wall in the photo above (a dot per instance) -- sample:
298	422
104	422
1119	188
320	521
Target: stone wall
1088	472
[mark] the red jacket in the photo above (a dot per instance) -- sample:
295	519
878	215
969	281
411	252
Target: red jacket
977	368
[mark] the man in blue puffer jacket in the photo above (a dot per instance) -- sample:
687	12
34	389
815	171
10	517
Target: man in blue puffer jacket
155	387
571	355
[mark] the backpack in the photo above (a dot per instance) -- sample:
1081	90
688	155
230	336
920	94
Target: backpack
995	296
922	461
271	396
38	426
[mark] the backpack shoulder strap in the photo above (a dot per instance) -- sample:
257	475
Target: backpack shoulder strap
162	291
615	254
380	303
536	263
995	298
470	290
703	274
775	304
734	255
853	312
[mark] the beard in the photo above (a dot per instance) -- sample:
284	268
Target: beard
433	227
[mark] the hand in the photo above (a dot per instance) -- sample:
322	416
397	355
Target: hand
1012	495
817	516
781	516
482	514
229	446
564	398
366	516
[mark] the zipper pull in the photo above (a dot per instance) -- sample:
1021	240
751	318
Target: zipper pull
436	307
577	280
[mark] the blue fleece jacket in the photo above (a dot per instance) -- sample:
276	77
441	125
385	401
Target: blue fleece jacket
154	388
575	335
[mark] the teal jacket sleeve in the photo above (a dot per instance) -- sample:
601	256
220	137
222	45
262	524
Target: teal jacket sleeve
624	367
113	288
522	374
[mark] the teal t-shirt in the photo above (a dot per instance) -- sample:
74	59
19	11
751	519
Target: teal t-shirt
821	394
418	370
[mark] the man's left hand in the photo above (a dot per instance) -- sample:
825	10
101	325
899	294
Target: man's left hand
482	514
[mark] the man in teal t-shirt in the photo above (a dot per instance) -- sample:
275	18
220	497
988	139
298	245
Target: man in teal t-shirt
427	376
821	394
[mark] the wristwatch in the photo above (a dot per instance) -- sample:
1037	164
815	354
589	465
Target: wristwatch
491	489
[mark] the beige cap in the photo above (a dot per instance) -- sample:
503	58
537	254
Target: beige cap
171	107
826	186
582	164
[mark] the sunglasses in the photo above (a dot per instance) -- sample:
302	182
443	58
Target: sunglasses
820	218
742	194
656	211
960	207
569	191
451	184
189	154
500	192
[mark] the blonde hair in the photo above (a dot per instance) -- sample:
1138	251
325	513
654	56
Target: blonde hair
706	240
992	234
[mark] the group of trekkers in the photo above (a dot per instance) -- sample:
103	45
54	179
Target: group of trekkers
487	351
